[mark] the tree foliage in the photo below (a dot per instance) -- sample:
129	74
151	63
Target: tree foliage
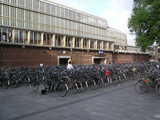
145	22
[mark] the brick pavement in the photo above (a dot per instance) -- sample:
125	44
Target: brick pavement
119	102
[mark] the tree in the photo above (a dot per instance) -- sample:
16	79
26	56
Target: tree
145	22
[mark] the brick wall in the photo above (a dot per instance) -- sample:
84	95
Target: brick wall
30	56
127	58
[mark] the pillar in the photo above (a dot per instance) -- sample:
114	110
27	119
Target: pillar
107	45
42	37
82	42
53	40
102	45
95	44
89	44
64	41
28	37
112	46
73	42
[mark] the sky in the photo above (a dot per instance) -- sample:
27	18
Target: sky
116	12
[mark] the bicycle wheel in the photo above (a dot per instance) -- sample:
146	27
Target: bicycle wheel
141	87
62	90
94	85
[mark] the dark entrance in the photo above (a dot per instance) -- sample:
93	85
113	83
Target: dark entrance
63	60
99	60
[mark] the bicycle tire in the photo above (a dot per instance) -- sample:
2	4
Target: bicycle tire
62	90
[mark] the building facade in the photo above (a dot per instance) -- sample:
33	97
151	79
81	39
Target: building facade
44	24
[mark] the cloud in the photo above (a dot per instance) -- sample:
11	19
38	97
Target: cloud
117	14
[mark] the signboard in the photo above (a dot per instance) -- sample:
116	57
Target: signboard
101	52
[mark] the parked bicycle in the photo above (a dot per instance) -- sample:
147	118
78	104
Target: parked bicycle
58	80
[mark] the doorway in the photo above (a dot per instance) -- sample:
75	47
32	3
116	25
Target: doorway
63	60
98	60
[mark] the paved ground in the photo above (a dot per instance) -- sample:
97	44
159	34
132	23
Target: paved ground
119	102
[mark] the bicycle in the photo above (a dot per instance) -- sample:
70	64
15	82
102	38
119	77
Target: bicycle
145	85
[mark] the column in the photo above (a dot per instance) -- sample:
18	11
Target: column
82	42
107	45
42	37
102	45
89	44
53	41
13	36
95	44
28	37
112	46
73	42
64	41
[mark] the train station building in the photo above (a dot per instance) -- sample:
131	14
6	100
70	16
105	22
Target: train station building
34	32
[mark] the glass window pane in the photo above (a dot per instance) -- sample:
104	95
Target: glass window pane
13	2
28	4
36	4
13	16
42	6
0	14
20	3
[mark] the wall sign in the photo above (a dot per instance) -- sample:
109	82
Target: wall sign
101	52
